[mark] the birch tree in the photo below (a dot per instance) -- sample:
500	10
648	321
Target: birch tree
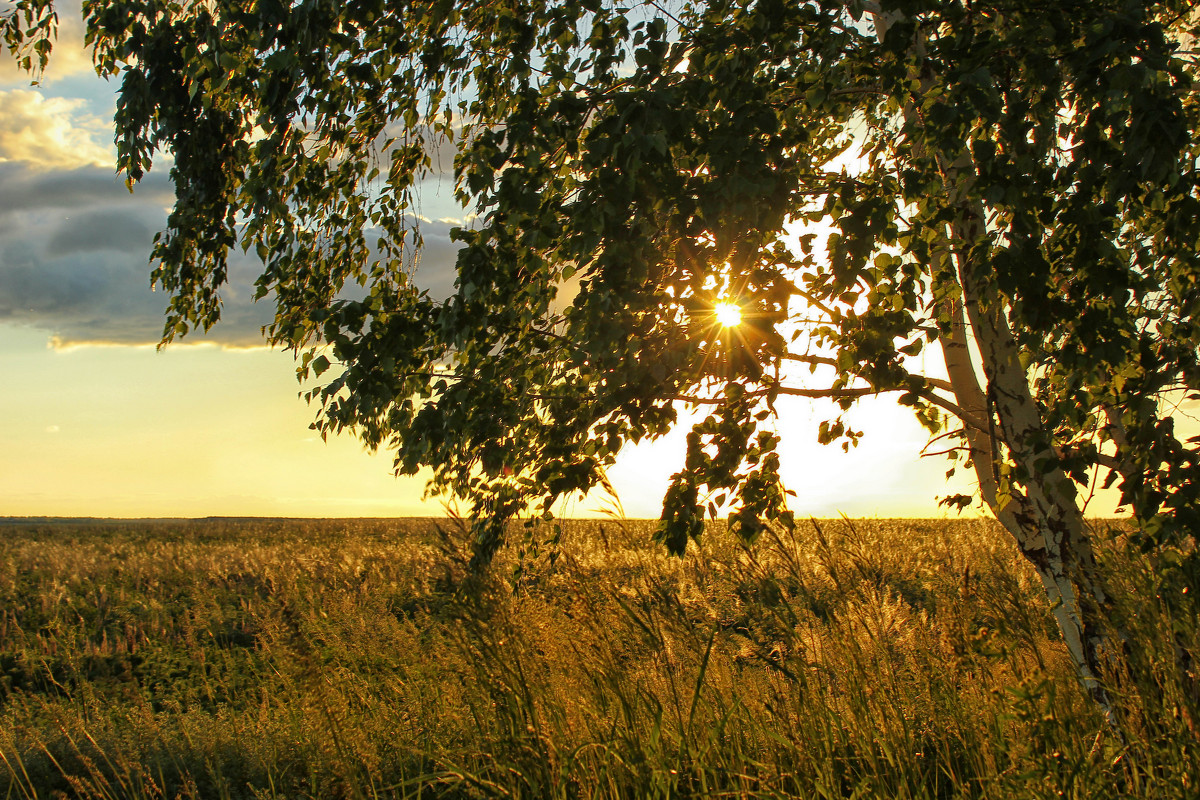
716	203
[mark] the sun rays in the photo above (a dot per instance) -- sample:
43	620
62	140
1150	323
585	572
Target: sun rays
728	314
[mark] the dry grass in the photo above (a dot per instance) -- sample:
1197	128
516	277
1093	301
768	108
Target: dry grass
359	659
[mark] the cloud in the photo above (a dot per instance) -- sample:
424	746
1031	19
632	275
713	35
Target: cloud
24	188
50	132
74	249
95	231
434	271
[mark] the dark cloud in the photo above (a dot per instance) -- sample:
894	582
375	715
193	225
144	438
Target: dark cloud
74	248
434	270
25	189
92	231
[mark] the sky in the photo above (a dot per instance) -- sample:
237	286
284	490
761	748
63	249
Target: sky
97	421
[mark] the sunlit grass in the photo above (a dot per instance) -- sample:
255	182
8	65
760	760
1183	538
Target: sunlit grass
360	659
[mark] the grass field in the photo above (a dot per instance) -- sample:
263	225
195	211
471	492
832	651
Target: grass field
329	659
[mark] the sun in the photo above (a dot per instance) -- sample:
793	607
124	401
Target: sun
728	314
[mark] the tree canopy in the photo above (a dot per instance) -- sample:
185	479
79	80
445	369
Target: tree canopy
1008	186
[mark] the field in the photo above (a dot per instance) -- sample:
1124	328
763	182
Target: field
360	659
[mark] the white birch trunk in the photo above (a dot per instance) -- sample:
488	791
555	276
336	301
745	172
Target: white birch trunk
1044	518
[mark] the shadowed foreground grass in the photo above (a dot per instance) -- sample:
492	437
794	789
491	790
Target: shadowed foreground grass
358	659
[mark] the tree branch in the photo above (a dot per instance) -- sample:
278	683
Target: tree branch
968	419
849	394
806	359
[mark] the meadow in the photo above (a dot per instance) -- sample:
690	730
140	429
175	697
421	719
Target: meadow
361	659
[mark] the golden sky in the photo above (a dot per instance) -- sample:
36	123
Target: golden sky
198	430
94	421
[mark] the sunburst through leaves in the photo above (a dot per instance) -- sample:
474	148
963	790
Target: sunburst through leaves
728	314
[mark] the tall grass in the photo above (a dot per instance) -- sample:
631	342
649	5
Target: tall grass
899	659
